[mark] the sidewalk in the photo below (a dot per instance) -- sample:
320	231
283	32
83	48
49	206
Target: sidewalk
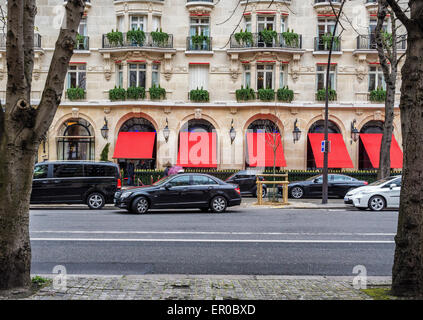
207	287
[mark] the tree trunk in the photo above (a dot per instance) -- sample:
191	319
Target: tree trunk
21	128
407	272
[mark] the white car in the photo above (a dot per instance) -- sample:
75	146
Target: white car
381	194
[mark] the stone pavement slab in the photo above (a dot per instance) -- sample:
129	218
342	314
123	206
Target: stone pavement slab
205	287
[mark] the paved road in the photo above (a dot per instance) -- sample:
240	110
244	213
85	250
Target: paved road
241	241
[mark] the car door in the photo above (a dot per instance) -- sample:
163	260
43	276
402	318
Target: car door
40	184
68	182
315	187
202	190
393	194
174	193
338	185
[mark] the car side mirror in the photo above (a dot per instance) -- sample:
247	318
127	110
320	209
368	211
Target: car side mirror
167	186
315	180
392	185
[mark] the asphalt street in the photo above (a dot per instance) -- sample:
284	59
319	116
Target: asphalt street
241	241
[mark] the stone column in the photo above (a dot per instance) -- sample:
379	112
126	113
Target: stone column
277	75
253	72
125	70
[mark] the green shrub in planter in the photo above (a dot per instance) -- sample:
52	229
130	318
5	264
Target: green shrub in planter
291	38
117	94
327	39
244	37
80	42
199	95
115	38
266	94
75	93
159	37
285	94
378	95
157	92
268	36
321	95
245	94
136	36
135	93
199	39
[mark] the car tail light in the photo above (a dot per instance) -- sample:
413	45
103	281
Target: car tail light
119	184
238	190
366	183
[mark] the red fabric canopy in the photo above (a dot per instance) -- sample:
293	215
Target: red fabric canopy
260	147
372	142
197	150
338	155
134	145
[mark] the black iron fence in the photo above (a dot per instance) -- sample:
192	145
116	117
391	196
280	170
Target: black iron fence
148	41
257	41
37	40
368	42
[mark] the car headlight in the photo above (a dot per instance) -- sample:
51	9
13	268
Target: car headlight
125	195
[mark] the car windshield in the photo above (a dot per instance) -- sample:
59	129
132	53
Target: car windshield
381	181
313	177
162	180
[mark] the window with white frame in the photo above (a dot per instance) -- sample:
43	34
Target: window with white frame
82	29
137	75
265	76
120	26
283	24
155	74
247	23
376	78
265	23
198	76
138	22
156	23
119	75
199	26
325	26
283	80
247	76
321	77
76	76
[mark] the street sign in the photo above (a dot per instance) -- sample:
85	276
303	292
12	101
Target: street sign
323	145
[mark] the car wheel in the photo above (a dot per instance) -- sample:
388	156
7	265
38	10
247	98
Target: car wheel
218	204
263	193
95	201
297	192
377	203
140	205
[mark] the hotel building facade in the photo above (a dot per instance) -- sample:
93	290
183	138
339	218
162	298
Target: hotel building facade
200	46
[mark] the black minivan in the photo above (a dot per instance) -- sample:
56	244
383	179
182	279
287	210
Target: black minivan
70	182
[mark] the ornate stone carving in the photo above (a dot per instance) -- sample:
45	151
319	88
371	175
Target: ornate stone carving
197	113
361	69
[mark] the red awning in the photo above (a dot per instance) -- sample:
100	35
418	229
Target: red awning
134	145
260	146
197	149
338	155
372	141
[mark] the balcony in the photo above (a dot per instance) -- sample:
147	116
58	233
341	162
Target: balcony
324	6
37	41
147	44
204	45
368	43
322	46
258	43
200	6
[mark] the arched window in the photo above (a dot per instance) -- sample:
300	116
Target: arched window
76	141
373	126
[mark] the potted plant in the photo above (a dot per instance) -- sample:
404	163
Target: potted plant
285	94
321	95
117	94
157	92
75	93
268	36
199	40
80	42
266	94
136	37
159	38
199	95
245	94
327	39
378	95
135	93
244	38
115	38
291	38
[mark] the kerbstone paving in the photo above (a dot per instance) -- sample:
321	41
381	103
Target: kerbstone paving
168	287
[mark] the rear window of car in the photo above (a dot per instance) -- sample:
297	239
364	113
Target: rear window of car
95	170
202	180
67	170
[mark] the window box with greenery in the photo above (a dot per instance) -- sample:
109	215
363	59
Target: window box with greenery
157	92
75	93
115	38
200	42
285	94
117	94
244	38
136	37
199	95
378	95
291	39
268	36
245	94
159	38
135	93
321	95
266	94
81	42
327	39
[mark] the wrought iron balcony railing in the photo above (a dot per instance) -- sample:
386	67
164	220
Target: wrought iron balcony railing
368	42
37	40
320	44
257	41
204	45
148	42
83	44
